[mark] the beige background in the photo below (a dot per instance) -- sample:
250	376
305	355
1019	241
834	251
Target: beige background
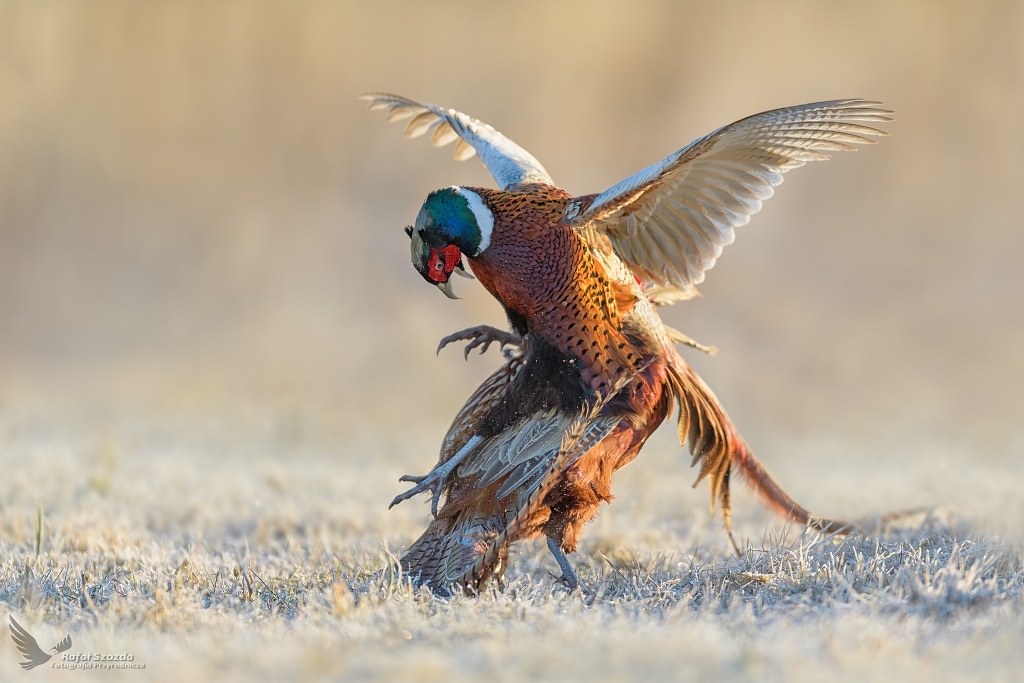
198	218
216	360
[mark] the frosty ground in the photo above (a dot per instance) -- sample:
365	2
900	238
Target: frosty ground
260	545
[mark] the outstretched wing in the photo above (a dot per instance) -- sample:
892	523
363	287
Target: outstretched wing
509	163
670	221
28	646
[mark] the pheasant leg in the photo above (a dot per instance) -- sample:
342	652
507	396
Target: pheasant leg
433	481
569	576
482	335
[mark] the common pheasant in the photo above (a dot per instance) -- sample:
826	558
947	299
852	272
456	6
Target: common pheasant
534	449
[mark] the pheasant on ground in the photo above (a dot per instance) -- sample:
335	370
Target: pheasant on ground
596	371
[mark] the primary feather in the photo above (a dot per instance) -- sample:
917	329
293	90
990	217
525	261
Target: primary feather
509	163
670	221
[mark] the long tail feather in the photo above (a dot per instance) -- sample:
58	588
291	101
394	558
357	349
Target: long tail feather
716	444
773	495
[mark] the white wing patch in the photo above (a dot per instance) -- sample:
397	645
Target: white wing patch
483	215
509	163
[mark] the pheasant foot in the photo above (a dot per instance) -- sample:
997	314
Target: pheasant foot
482	335
434	480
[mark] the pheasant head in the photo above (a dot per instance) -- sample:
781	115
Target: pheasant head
452	222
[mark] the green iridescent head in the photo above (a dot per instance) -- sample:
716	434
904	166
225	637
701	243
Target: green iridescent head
452	222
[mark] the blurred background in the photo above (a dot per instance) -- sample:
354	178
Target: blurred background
197	217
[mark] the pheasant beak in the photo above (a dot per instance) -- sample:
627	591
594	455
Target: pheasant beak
446	287
436	265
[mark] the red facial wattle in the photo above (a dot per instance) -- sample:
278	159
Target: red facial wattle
442	262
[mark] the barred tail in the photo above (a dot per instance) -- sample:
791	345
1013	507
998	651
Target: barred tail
773	495
715	443
441	555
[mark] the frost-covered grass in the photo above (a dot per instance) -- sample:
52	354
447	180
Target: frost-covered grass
227	554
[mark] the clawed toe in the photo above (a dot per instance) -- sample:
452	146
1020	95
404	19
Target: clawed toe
429	482
481	341
570	583
434	480
566	582
481	337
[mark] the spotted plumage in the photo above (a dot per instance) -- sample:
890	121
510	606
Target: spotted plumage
534	449
543	270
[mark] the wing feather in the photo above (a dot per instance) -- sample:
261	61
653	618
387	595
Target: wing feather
420	124
518	456
443	135
525	442
463	151
487	395
509	163
670	221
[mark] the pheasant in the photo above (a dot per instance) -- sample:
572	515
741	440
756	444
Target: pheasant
594	369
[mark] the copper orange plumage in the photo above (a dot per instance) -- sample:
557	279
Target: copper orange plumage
595	370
